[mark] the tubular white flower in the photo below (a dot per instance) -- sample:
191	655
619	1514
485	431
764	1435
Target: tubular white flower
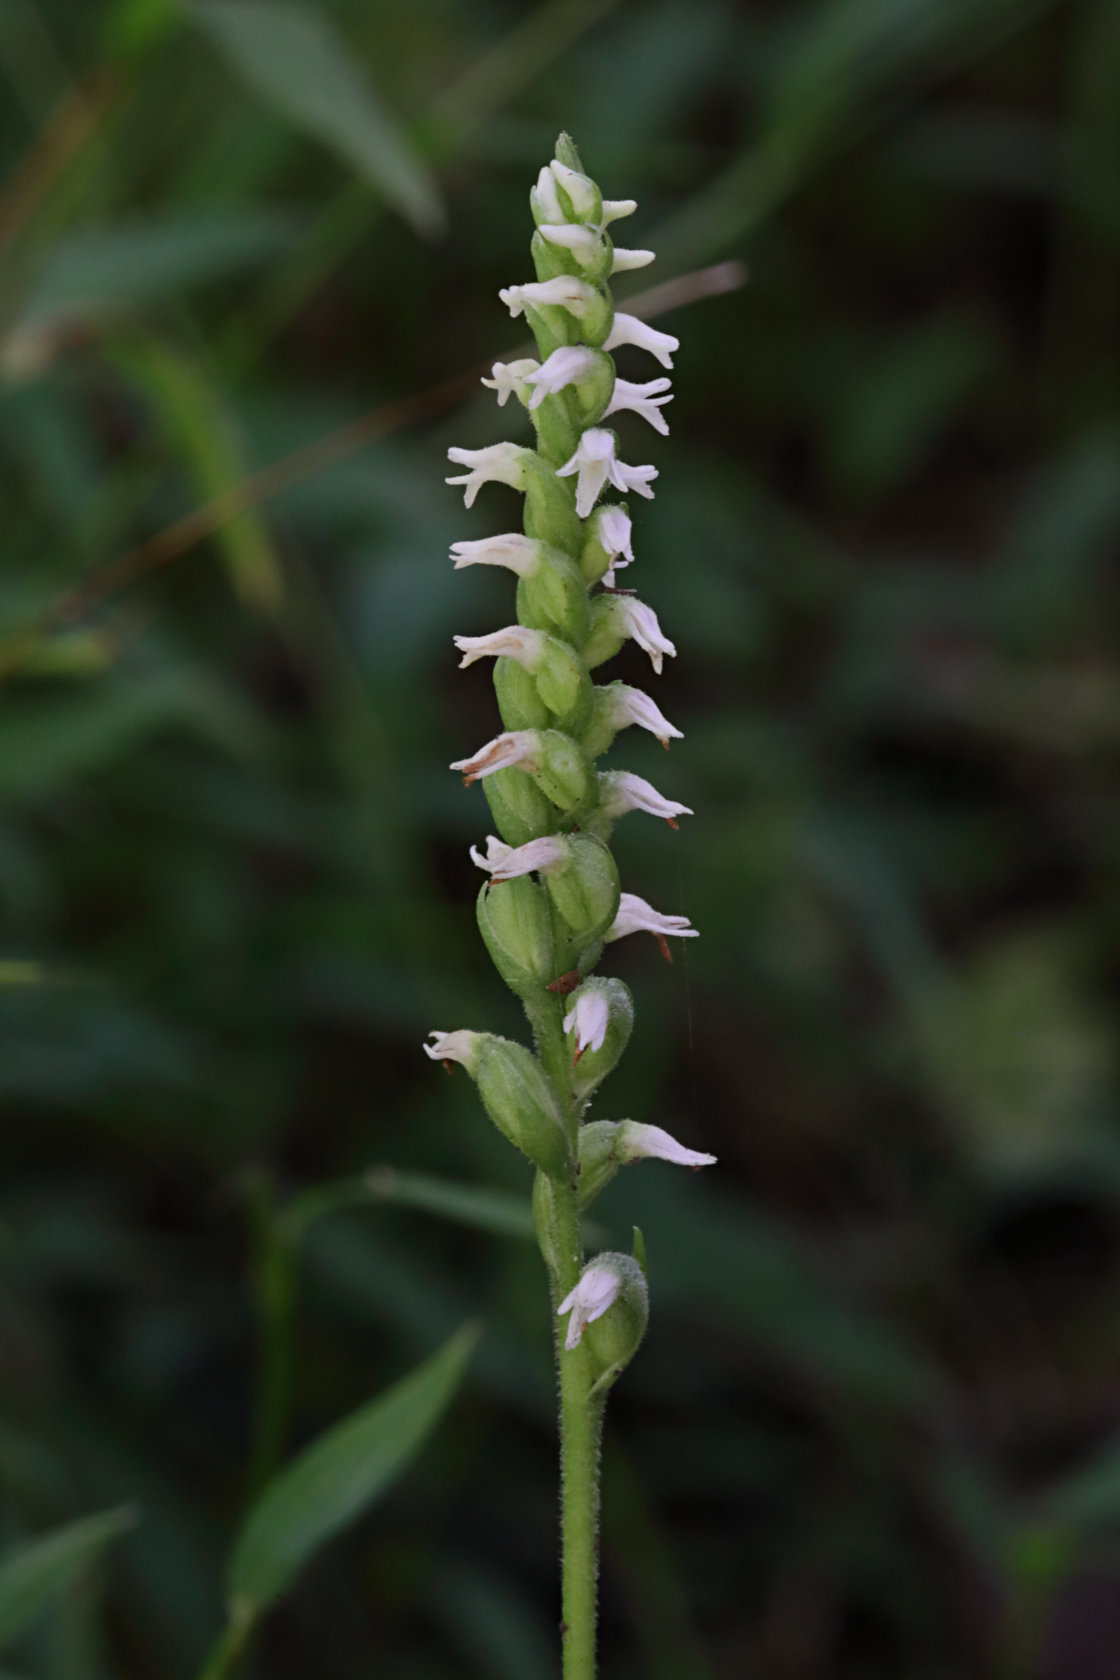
545	199
564	292
635	1142
647	400
452	1047
584	243
640	622
595	462
504	752
564	367
513	551
622	260
636	916
621	791
597	1289
589	1018
627	329
514	641
509	379
503	863
581	191
615	208
629	705
613	530
498	463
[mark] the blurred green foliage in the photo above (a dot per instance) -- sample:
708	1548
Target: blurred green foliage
873	1429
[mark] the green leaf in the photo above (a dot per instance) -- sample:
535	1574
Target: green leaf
35	1573
336	1478
295	61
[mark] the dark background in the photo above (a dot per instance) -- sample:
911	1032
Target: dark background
872	1429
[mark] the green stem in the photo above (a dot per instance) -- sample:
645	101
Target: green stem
580	1416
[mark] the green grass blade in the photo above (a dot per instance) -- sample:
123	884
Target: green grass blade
37	1572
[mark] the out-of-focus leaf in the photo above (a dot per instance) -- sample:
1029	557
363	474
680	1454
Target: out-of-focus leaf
498	1211
35	1574
293	59
202	430
338	1476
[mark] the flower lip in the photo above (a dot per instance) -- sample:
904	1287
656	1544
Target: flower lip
636	916
647	400
504	863
588	1018
628	329
622	791
628	706
517	553
623	261
508	378
515	641
451	1047
498	463
565	366
636	1142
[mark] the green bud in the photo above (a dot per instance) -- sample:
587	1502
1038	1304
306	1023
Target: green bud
514	921
554	597
562	682
585	890
599	1020
598	1159
606	635
607	1310
550	505
521	1102
520	810
519	699
563	773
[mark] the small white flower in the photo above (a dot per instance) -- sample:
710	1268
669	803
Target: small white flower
546	200
621	791
517	553
512	642
588	1018
565	366
452	1047
595	462
503	863
509	379
615	208
613	528
498	463
597	1289
636	916
622	261
640	622
584	243
513	747
564	292
627	329
647	400
579	188
635	1142
629	705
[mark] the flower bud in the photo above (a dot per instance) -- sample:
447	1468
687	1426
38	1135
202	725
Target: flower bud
561	771
514	921
519	808
585	889
579	197
519	700
607	1310
598	1023
553	597
521	1102
606	1145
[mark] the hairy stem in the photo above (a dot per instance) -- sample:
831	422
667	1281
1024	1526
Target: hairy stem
580	1431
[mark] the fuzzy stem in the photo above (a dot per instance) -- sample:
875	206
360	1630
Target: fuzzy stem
580	1434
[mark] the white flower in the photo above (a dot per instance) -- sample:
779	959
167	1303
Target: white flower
621	791
647	400
514	746
509	378
565	366
627	329
545	199
517	553
503	862
452	1047
498	463
584	243
564	292
613	528
622	261
635	1142
580	189
627	705
512	642
636	916
589	1018
595	462
640	622
615	208
597	1289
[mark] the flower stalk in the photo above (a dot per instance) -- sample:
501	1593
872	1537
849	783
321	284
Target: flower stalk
552	899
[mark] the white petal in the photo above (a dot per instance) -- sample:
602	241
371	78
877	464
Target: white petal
496	853
635	1142
544	853
613	531
646	400
594	461
641	623
452	1046
512	642
579	188
615	208
565	366
627	329
513	747
563	292
596	1291
517	553
622	261
636	916
584	244
589	1017
621	791
630	705
508	378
